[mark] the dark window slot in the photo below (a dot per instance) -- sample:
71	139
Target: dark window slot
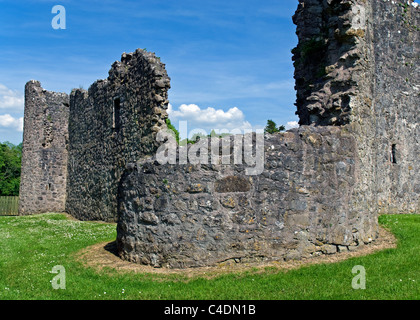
394	153
117	114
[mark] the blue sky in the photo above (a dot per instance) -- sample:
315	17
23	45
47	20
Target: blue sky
229	61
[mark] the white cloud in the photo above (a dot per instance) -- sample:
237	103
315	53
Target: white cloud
210	118
10	99
291	125
8	121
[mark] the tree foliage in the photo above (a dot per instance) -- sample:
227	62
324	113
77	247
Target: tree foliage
10	168
271	127
172	127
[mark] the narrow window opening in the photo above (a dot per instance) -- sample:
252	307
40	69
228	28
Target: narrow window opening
394	153
117	114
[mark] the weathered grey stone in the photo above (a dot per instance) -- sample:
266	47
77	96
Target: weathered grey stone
107	123
232	184
44	154
329	249
357	65
247	224
321	187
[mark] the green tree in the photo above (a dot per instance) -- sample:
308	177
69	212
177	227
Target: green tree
212	134
172	127
10	168
271	127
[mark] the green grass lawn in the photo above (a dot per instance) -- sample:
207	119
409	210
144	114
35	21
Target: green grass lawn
31	246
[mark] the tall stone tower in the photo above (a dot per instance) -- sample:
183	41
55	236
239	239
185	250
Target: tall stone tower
44	155
357	67
397	105
112	124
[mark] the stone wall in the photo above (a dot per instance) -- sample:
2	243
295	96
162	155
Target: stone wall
44	154
397	105
357	85
321	186
330	59
188	215
112	124
334	73
357	67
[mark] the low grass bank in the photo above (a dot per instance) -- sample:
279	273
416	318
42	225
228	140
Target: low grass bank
31	246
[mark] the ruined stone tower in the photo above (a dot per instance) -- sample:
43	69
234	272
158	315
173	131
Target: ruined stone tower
357	65
320	188
76	147
113	124
323	185
45	151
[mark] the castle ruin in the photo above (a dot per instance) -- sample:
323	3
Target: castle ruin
355	155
